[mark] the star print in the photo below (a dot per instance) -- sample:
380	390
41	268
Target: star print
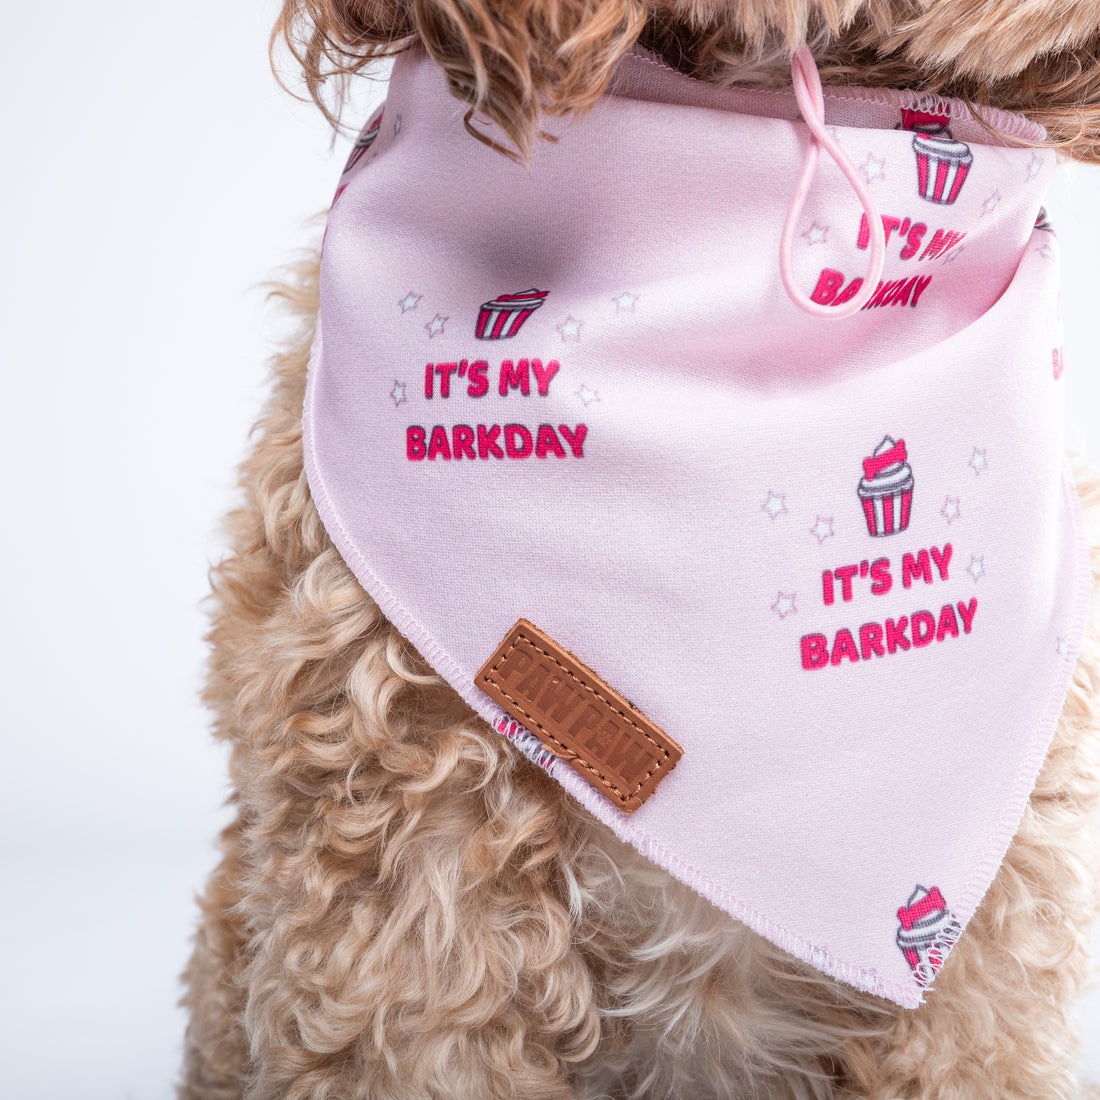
950	509
625	302
1046	252
1063	647
586	395
872	169
953	255
397	125
570	329
775	505
398	392
978	461
816	234
976	568
1034	166
823	528
784	604
409	301
990	204
435	325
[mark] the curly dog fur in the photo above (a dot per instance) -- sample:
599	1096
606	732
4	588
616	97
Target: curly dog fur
405	907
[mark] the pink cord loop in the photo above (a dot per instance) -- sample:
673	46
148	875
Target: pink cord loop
811	102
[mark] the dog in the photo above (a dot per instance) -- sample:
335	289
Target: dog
406	905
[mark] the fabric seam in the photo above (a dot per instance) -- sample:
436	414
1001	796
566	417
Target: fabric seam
1005	123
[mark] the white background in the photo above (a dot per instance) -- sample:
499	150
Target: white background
155	176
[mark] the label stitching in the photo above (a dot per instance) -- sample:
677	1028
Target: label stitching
663	752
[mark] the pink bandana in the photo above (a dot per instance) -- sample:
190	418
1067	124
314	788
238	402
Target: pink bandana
834	560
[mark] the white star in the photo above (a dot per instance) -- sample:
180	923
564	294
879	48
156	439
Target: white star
1063	647
435	325
1046	252
823	528
950	509
397	125
816	234
586	395
990	204
570	329
398	392
1034	166
409	301
625	302
784	604
953	255
976	568
978	461
872	168
775	505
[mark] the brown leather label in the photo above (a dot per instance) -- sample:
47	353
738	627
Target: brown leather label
578	716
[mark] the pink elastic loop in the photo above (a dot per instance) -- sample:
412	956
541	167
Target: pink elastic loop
811	101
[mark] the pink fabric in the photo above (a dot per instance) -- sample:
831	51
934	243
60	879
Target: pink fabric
837	560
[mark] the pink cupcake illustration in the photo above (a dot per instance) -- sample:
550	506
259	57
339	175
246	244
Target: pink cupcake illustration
942	166
886	489
505	315
923	121
928	930
363	142
942	162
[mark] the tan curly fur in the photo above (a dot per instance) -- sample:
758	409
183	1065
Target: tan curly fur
512	59
405	907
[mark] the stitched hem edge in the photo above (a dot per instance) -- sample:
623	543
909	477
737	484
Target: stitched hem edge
1006	123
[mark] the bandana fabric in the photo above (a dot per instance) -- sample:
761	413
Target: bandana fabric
837	562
